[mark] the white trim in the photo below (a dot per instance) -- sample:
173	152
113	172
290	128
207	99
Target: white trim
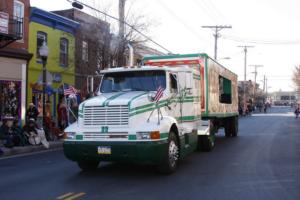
172	59
23	92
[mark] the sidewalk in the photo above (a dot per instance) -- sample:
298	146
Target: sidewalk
29	149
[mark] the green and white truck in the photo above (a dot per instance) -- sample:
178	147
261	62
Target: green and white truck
126	123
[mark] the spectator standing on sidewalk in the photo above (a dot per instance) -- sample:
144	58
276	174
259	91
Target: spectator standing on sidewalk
32	112
265	107
39	120
297	111
62	115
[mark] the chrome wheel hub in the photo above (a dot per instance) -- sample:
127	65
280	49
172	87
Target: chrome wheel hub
173	153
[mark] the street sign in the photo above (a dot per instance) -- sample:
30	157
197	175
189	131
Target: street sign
4	22
56	77
49	78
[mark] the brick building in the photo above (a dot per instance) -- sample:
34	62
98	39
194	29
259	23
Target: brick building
91	48
14	57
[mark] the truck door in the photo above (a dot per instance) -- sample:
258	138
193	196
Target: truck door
173	102
186	96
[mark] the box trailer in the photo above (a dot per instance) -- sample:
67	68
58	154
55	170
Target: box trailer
219	91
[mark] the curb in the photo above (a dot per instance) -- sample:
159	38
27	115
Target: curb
29	149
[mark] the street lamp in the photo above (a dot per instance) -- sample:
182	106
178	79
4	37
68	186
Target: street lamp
44	51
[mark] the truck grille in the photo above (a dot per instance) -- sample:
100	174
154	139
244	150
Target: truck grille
105	116
101	136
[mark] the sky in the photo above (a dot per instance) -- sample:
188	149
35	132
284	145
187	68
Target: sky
272	27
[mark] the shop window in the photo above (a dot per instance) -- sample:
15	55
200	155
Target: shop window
40	38
85	51
63	57
10	99
225	95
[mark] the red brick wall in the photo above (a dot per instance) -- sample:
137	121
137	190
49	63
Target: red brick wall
7	6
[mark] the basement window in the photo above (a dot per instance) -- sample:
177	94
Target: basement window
225	94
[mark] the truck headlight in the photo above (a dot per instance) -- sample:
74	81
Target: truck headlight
70	135
153	135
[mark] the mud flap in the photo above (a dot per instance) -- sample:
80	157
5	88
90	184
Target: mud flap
204	128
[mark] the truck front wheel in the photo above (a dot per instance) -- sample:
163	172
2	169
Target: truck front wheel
88	165
170	160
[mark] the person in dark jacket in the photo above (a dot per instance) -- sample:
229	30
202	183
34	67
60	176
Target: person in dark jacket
19	132
9	134
32	112
297	111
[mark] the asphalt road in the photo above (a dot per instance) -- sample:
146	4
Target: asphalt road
262	163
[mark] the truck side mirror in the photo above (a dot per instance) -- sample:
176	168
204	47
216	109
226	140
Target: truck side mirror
151	96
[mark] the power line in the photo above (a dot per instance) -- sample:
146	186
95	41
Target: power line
79	5
215	10
266	42
217	29
206	9
179	19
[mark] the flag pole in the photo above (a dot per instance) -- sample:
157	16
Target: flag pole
66	101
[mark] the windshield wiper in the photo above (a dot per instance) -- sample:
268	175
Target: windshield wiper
115	90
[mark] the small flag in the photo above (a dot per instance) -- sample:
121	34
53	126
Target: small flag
69	90
159	93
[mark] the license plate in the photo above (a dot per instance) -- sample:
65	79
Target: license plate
104	150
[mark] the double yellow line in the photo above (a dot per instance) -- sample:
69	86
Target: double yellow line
70	196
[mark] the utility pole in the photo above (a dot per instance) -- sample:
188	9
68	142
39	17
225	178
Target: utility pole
255	75
216	29
267	88
245	47
121	32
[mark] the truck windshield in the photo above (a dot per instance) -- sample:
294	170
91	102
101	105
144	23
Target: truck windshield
133	81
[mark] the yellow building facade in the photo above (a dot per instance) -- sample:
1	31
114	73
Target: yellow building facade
58	33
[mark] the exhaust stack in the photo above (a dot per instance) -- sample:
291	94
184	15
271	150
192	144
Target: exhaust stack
130	57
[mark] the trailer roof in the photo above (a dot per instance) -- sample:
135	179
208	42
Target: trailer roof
182	56
175	56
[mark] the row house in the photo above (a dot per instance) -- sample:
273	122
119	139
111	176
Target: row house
92	48
14	57
59	34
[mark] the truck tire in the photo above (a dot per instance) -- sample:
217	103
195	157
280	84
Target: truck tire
231	127
235	128
88	165
206	143
170	160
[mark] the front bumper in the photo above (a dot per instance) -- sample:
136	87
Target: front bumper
150	152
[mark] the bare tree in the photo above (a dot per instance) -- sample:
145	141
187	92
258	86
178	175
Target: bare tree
112	48
118	46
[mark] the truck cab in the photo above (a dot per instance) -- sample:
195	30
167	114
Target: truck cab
124	122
